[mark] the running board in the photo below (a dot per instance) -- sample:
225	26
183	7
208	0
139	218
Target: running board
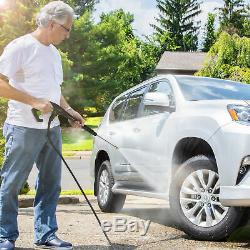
119	190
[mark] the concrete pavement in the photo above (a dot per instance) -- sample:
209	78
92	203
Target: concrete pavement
78	225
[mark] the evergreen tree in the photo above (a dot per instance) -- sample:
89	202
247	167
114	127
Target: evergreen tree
232	16
80	6
176	21
246	24
209	36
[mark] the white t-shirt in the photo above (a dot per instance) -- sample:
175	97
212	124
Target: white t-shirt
35	69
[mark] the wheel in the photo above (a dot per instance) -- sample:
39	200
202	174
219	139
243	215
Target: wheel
194	200
108	201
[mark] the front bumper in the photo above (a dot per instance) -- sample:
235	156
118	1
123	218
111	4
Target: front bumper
231	144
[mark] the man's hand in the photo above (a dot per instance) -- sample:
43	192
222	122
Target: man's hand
43	105
80	121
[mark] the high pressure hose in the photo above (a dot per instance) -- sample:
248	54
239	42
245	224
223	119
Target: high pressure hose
56	112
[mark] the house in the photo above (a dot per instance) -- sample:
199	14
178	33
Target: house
180	63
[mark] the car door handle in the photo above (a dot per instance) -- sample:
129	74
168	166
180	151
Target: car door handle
137	130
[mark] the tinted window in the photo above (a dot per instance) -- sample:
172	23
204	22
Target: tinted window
162	87
133	104
117	109
196	88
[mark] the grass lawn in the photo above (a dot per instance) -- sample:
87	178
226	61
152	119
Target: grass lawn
78	139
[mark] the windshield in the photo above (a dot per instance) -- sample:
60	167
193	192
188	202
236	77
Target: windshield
199	88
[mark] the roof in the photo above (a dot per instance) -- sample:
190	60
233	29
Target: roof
187	61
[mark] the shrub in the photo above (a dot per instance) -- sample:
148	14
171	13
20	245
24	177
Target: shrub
228	58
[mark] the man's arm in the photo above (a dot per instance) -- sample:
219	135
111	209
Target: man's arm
7	91
66	106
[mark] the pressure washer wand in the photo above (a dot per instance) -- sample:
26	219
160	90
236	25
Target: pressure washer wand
57	110
92	132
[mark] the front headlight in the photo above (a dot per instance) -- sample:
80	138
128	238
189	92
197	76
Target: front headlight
239	113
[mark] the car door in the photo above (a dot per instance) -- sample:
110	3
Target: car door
121	132
114	135
146	146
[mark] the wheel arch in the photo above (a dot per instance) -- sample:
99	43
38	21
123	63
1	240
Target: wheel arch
100	158
189	147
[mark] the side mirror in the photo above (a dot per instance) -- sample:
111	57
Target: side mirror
156	99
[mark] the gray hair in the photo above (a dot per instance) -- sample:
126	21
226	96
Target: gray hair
57	11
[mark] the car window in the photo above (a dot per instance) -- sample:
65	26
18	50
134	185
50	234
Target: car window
201	88
161	87
117	109
133	104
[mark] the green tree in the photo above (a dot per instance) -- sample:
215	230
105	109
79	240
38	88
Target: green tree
176	21
108	59
232	16
80	6
209	35
228	58
246	23
24	21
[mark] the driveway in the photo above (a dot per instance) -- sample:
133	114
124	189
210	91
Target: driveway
78	225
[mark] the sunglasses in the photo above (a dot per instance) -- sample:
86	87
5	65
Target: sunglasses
65	28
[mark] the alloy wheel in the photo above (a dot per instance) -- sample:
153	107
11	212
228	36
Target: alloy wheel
199	198
104	187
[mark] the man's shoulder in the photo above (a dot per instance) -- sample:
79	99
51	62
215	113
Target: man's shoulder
55	51
21	42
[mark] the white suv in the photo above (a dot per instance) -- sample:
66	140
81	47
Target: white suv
185	139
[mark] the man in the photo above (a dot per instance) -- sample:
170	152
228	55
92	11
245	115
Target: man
31	76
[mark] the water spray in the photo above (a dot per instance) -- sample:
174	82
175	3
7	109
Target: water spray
58	110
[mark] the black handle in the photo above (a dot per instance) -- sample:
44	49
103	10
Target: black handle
57	110
90	130
60	111
36	114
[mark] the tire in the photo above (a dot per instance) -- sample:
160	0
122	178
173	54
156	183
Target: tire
196	216
107	200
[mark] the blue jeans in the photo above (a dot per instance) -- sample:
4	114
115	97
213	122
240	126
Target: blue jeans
24	147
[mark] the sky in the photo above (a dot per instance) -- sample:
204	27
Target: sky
145	12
